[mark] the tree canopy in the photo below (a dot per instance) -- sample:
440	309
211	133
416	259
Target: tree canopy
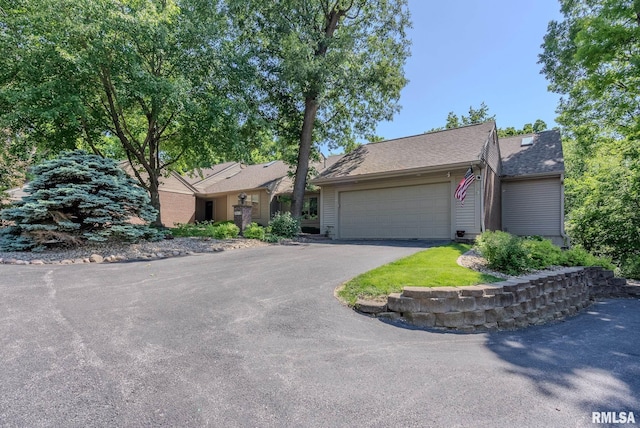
591	57
481	114
160	82
329	70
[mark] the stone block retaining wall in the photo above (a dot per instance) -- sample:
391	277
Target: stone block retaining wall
516	303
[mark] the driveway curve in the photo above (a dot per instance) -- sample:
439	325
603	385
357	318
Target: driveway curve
254	337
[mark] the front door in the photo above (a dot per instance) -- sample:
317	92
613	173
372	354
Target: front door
208	210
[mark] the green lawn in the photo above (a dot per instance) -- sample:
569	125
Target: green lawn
435	267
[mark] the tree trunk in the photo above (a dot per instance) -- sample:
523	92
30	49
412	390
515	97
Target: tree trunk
304	151
154	194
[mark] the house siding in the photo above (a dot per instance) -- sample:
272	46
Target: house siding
264	204
533	207
492	205
466	214
492	185
328	208
177	208
491	153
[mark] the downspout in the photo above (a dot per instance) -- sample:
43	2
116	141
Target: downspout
483	175
565	237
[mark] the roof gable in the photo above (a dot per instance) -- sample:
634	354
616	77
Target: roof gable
543	156
441	148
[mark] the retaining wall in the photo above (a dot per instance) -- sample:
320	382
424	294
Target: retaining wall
516	303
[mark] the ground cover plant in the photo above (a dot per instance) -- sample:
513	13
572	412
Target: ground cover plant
435	267
254	231
514	255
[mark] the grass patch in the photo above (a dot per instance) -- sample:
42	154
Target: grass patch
435	267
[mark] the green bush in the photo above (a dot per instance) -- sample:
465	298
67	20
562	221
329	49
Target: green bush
254	231
578	256
226	231
541	253
271	238
513	255
75	198
504	252
200	229
630	268
285	226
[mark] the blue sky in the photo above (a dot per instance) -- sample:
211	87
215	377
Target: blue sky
465	52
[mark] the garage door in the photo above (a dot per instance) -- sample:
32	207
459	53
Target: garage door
398	212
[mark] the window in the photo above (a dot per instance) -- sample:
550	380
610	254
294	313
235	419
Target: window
526	141
310	208
253	199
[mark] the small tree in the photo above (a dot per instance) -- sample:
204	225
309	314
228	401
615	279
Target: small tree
77	197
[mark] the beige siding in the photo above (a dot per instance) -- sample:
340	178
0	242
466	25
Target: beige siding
492	153
328	210
265	205
466	216
532	207
220	209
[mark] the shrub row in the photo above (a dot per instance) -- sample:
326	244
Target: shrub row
514	255
281	226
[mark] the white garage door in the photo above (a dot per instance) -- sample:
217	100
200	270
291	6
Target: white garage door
398	212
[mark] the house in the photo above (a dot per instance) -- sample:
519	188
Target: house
404	188
532	185
209	194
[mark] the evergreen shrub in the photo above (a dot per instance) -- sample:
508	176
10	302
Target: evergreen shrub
75	198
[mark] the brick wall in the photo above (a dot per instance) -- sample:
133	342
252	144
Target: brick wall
177	208
517	303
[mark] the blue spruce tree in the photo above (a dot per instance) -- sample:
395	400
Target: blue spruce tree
75	198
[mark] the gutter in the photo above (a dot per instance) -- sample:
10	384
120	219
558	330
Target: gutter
535	175
393	174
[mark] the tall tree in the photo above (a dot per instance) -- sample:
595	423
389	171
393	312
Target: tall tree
481	114
591	57
16	155
331	69
161	78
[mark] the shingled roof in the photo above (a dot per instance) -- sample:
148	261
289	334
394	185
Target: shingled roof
544	156
261	176
433	149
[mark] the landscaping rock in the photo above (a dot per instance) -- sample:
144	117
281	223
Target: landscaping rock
421	319
371	307
96	258
124	251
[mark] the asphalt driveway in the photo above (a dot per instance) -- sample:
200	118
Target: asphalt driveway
255	337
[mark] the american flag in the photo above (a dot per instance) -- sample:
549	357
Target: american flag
461	190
